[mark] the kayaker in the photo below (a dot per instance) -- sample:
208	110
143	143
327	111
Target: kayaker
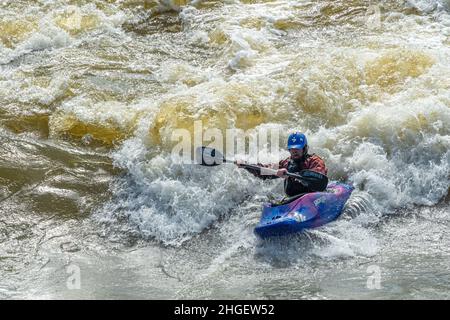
301	163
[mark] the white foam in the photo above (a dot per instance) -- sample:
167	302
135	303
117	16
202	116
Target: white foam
49	37
428	6
172	202
24	90
394	150
180	73
117	114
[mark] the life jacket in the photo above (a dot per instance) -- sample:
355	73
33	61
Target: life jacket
291	186
314	163
307	166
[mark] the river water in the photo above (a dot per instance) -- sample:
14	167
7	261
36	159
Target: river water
93	206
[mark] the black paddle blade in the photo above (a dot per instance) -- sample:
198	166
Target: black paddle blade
315	180
209	157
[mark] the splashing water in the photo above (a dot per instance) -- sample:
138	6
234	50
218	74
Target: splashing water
91	93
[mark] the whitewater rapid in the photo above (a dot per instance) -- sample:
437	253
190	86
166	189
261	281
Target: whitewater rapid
91	93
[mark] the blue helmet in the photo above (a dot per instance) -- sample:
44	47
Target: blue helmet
297	140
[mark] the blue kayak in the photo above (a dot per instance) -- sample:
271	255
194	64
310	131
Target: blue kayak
308	211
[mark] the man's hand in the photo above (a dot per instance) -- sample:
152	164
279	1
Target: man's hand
240	163
282	173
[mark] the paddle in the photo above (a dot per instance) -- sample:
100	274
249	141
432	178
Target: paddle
212	157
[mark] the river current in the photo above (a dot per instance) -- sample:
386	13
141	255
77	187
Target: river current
93	205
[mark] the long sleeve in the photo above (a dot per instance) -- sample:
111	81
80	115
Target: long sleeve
315	163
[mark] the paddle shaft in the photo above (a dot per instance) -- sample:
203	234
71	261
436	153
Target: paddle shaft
268	170
214	155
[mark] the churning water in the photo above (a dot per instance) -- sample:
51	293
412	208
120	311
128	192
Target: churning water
92	91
